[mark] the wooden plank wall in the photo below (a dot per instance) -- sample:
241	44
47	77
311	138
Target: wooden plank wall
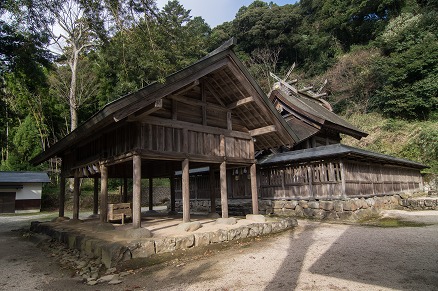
364	180
324	181
319	180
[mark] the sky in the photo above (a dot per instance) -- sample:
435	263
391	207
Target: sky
216	12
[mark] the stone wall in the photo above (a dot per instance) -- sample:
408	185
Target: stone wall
349	209
161	195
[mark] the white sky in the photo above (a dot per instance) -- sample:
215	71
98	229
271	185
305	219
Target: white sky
216	12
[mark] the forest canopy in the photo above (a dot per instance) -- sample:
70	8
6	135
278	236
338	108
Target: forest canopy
378	57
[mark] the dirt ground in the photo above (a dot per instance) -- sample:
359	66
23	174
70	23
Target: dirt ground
313	256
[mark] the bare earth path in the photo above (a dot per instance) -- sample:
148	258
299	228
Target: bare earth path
314	256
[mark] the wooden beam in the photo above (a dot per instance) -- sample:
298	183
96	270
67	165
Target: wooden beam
240	102
224	190
187	88
103	193
204	108
136	192
186	190
196	102
263	130
254	192
196	127
229	121
305	89
139	115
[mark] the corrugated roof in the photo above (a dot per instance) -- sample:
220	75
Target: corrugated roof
335	151
24	177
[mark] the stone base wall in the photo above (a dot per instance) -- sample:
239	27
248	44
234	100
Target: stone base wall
353	208
420	203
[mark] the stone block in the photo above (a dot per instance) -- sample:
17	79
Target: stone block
189	226
244	231
338	206
308	212
234	234
71	241
430	202
363	213
113	253
256	218
319	213
255	229
345	215
226	221
290	204
276	226
313	204
202	239
143	249
370	202
303	203
184	242
267	228
350	205
165	245
363	203
326	205
331	215
218	236
278	204
299	211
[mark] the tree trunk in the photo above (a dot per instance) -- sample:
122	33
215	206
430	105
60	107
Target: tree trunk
72	94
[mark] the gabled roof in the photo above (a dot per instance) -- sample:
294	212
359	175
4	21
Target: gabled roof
336	151
24	177
308	111
238	92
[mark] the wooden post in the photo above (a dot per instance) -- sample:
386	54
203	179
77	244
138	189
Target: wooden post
224	191
186	190
96	197
310	180
254	193
76	185
343	185
136	192
103	193
125	190
151	194
62	197
172	191
212	181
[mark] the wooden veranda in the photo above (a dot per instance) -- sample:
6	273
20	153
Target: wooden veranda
209	114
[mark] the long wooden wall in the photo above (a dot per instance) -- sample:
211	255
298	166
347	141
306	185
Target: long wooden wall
324	180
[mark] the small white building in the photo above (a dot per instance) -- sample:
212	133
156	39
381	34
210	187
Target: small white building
21	191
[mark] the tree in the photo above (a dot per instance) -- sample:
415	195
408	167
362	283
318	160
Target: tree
76	37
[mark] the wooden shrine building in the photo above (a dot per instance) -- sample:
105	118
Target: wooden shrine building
211	113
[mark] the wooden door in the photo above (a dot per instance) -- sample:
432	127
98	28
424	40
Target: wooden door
7	202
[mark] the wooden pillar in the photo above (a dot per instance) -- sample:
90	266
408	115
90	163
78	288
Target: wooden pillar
96	197
343	182
224	191
76	192
136	192
172	191
212	181
103	193
186	190
125	190
310	180
61	196
151	193
254	192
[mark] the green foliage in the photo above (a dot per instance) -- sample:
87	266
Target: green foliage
413	140
24	146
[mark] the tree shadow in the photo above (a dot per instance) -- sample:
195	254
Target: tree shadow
288	273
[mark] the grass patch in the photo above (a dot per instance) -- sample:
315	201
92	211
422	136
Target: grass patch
393	222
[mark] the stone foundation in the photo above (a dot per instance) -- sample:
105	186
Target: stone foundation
111	248
349	209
